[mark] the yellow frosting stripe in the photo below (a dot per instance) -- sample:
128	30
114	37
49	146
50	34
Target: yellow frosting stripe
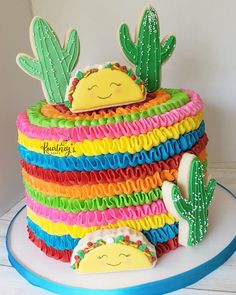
60	229
132	144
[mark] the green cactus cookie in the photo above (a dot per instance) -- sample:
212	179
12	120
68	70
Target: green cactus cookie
189	201
53	63
148	53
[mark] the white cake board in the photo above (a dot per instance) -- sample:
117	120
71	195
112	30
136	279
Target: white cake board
175	270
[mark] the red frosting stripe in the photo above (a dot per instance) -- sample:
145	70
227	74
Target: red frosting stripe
65	255
199	146
110	175
102	176
163	248
62	255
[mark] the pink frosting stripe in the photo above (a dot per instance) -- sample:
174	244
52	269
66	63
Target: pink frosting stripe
96	218
116	130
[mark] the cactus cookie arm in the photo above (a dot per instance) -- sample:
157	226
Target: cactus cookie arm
72	49
174	201
29	65
182	206
127	45
167	47
210	190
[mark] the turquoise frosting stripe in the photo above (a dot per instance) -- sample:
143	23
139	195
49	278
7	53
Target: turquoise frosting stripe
161	235
66	242
113	161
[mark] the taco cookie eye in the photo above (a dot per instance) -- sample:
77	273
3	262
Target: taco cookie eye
93	86
115	84
102	256
124	255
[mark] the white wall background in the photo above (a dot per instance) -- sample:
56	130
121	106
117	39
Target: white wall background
204	60
17	92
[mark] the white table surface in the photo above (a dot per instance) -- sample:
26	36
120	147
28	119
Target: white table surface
221	281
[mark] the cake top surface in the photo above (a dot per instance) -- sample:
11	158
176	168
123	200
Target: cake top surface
159	103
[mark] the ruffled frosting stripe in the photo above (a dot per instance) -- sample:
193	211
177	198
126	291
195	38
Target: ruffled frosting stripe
100	190
161	235
114	161
143	125
96	217
61	255
178	99
77	205
75	231
104	176
107	145
66	242
163	248
65	255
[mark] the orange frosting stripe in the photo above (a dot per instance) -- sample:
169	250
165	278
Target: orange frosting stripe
203	155
160	97
101	190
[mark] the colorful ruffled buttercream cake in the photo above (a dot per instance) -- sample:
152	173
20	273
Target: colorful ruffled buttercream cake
86	167
81	175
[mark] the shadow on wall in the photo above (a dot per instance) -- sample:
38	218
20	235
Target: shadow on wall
216	128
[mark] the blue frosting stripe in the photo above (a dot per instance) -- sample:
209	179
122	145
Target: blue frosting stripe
161	235
66	242
113	161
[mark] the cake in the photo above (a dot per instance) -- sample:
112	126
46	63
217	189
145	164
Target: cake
122	170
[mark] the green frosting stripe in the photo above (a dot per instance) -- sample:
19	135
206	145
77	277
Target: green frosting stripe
76	205
178	99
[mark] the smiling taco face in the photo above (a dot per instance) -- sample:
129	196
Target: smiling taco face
106	86
111	250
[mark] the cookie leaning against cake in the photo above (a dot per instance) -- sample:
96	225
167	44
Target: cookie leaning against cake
113	165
